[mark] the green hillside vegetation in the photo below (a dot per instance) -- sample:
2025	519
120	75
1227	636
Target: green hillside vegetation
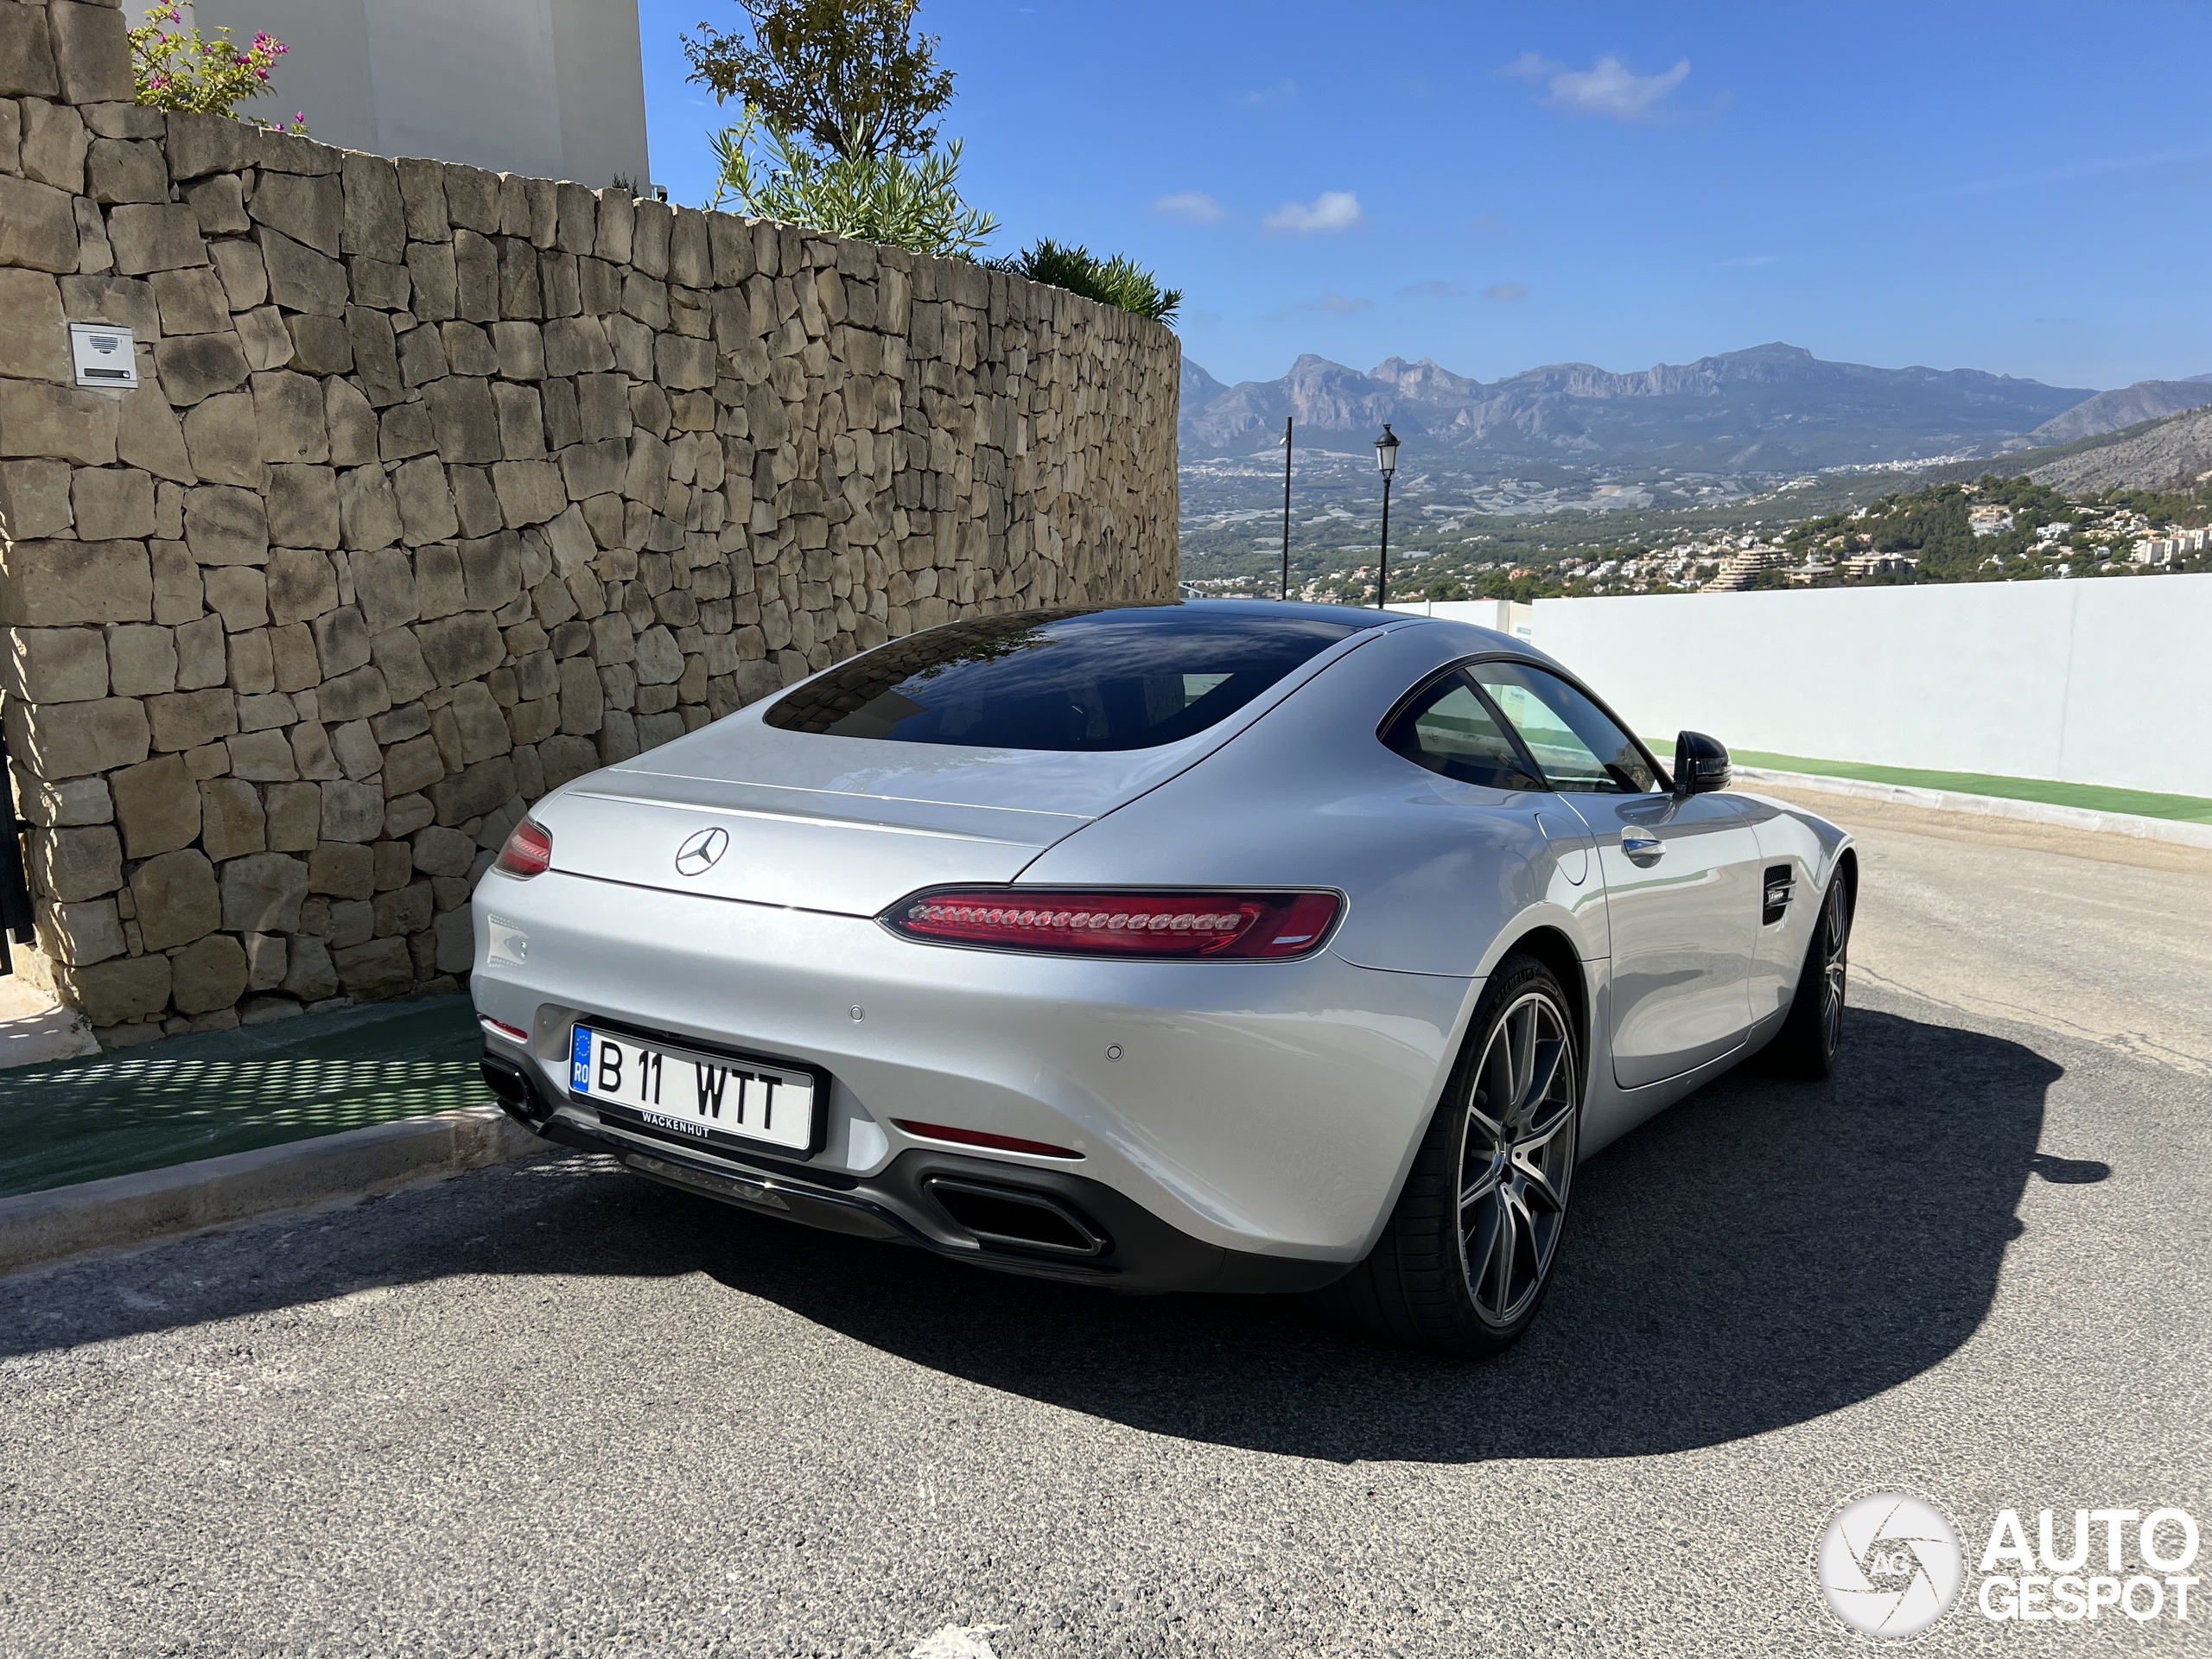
1934	526
1816	525
2050	535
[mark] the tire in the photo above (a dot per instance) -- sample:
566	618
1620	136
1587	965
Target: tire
1811	1036
1470	1290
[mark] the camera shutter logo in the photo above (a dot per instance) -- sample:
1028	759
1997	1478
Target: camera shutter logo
1889	1564
700	853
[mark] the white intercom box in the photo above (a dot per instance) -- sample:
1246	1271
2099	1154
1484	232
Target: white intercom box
105	355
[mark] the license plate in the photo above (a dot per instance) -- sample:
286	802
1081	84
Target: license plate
705	1098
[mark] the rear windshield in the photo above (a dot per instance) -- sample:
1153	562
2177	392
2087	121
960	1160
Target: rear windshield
1128	678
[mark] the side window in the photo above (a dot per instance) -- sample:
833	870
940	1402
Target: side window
1450	730
1578	749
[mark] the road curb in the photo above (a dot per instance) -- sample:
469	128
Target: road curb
1994	806
63	1221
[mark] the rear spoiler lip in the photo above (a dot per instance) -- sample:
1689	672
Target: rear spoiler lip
837	820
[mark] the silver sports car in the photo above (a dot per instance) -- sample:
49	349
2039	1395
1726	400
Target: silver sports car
1223	945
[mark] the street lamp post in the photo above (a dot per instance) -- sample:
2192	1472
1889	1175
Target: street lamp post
1386	461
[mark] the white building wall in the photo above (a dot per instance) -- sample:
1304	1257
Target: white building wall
600	62
2092	682
1505	615
554	89
487	91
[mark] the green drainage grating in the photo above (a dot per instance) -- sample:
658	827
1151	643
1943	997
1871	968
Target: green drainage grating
192	1098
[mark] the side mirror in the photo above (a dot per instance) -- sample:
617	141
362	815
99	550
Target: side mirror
1701	764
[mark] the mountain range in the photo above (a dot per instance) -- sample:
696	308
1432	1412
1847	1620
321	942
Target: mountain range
1772	410
2109	411
2175	453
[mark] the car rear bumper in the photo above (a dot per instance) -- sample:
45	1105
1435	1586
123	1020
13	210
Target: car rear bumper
1265	1109
1045	1223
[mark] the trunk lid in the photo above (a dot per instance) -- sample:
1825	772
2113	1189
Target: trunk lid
837	823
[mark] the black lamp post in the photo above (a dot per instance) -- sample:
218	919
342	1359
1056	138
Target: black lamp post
1386	460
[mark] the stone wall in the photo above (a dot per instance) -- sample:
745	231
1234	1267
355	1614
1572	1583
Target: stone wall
442	487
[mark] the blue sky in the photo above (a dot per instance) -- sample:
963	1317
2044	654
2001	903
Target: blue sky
2021	189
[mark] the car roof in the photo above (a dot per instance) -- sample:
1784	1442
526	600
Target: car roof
1455	637
1257	611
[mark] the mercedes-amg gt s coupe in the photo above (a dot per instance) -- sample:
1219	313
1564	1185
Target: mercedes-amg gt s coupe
1216	945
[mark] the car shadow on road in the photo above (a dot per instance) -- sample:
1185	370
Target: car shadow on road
1760	1255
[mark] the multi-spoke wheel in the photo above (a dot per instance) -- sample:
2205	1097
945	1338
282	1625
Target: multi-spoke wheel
1464	1263
1812	1035
1517	1158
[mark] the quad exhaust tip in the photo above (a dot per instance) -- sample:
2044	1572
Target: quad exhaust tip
1011	1218
511	1089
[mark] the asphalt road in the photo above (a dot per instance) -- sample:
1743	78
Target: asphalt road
552	1409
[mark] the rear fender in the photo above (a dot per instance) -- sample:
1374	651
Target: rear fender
1435	873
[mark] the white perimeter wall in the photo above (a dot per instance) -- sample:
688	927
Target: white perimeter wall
551	89
2092	682
1503	615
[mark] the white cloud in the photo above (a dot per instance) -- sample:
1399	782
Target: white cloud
1506	291
1332	210
1281	92
1343	307
1608	88
1190	207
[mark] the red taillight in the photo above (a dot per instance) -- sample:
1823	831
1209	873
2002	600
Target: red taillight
529	850
983	1138
1241	925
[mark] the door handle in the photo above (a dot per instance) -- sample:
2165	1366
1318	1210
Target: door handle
1642	844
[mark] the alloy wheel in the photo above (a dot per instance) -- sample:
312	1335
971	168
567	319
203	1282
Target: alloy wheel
1517	1158
1836	961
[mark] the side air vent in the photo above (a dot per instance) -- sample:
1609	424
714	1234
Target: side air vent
1780	882
1009	1217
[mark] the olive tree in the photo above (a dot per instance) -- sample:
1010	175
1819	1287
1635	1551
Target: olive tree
854	76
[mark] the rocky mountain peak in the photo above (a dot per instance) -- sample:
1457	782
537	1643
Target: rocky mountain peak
1795	410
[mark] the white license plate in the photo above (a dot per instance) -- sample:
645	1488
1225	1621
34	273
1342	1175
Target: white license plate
704	1097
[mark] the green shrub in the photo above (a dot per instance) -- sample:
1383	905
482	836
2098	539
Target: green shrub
1119	281
881	198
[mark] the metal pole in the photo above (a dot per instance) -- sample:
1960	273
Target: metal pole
1286	506
1382	577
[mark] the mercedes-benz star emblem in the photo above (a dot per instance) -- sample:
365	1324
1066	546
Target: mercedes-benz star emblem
698	855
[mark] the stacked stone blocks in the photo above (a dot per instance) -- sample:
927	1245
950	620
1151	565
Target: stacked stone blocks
442	487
